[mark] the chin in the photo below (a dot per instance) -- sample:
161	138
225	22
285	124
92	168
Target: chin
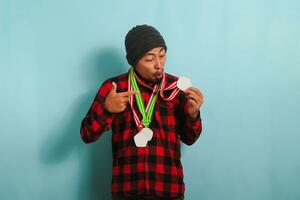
157	80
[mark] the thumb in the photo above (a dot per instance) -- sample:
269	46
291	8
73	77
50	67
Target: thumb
114	87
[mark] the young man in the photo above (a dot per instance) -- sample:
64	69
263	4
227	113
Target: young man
149	116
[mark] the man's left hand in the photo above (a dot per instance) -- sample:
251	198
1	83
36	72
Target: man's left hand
195	99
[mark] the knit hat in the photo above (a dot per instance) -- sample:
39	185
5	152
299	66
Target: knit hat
141	39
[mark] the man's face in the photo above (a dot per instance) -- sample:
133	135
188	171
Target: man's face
151	65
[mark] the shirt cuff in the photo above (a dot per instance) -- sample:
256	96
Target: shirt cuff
195	124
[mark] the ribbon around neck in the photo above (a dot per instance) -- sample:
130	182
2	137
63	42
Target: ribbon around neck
148	112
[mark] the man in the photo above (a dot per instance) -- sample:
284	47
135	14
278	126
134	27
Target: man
149	116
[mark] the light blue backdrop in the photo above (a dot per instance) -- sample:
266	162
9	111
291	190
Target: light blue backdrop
243	55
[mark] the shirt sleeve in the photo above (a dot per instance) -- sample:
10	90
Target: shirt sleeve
98	119
190	129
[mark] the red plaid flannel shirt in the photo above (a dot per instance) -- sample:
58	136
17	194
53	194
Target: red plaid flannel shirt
154	170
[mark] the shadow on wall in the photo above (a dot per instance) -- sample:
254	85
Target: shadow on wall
95	160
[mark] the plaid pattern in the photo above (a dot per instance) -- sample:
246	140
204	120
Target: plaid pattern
153	170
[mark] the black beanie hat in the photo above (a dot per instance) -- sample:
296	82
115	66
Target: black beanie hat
141	39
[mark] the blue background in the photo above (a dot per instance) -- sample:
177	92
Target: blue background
243	55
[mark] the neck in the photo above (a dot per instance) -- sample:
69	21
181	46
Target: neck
144	81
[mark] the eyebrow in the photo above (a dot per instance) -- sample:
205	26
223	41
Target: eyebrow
153	53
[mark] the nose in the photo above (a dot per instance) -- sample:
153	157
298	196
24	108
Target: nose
159	63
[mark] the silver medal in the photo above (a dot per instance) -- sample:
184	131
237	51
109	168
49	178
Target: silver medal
141	139
148	133
184	83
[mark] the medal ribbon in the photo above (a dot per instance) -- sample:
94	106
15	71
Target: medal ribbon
170	87
146	113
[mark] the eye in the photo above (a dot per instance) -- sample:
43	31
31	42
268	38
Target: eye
149	59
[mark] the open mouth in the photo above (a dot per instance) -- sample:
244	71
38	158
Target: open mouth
158	74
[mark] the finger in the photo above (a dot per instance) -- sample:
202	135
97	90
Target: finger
191	91
127	93
193	103
195	90
114	87
123	107
194	93
124	100
194	96
199	101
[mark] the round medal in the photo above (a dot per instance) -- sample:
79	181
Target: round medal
148	133
184	83
140	140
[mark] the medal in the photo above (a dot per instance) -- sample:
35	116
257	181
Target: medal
184	83
141	139
145	134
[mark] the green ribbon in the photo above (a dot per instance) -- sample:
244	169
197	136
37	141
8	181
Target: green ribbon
146	114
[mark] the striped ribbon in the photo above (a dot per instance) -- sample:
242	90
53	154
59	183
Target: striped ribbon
148	112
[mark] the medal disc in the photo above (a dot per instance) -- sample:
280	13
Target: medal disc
148	133
140	140
184	83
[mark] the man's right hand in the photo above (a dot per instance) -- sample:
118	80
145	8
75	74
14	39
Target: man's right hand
116	102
